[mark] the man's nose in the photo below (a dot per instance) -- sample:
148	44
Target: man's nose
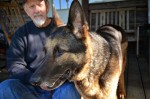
37	9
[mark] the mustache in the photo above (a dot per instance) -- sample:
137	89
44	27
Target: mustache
37	14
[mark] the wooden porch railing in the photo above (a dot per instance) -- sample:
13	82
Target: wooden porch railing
124	17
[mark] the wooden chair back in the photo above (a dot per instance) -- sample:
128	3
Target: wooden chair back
10	18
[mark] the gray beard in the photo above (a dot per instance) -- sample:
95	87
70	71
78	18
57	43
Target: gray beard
39	21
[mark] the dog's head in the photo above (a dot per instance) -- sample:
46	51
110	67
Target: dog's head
66	50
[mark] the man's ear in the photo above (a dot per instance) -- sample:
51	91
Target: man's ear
77	21
56	17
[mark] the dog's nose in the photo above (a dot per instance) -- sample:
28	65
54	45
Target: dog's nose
35	81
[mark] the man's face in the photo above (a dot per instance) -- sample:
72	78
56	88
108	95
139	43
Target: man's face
37	10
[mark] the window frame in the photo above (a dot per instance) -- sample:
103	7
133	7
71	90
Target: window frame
60	6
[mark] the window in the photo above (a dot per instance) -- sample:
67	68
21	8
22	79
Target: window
100	1
62	4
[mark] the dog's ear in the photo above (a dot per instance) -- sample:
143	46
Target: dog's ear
56	17
77	21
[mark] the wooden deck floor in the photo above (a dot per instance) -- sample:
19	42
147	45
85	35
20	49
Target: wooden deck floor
137	77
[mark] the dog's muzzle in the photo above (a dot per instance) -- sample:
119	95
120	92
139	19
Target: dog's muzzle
51	83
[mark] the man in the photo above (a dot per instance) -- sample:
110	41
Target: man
26	53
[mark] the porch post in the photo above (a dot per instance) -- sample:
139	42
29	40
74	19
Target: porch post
148	11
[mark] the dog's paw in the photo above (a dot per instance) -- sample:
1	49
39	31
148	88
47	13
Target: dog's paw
121	96
121	93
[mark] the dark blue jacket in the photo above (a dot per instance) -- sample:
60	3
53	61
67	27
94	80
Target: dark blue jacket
26	50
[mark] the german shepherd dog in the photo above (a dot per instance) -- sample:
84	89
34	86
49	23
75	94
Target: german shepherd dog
94	61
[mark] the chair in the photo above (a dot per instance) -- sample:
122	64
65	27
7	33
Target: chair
10	18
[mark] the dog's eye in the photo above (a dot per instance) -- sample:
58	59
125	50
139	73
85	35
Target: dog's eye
58	52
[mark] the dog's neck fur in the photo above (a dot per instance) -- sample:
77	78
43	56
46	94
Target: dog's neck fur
98	63
87	78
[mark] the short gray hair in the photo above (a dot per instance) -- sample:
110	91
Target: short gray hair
24	1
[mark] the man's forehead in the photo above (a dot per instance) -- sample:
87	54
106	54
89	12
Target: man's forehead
25	1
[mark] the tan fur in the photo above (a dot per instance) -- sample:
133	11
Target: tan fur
88	84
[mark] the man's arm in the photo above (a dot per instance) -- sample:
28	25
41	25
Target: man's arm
16	63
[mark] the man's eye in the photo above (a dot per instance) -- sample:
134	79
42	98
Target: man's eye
32	6
40	5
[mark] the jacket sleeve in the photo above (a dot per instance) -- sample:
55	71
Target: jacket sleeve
16	64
